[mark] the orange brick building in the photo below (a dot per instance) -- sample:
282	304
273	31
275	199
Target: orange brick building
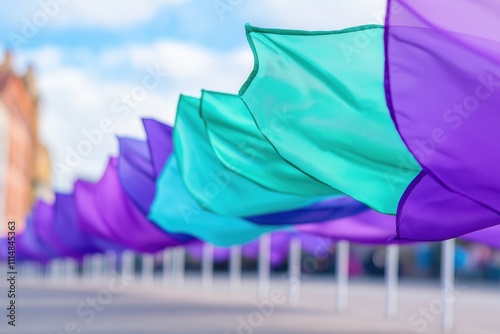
24	161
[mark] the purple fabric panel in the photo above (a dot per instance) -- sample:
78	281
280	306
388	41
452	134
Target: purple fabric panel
430	212
107	205
67	229
369	227
489	236
43	225
136	172
29	246
160	143
443	90
89	219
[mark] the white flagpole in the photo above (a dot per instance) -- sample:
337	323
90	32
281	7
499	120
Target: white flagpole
70	268
178	267
391	280
148	268
128	264
448	283
294	271
111	260
167	262
235	270
86	268
264	266
207	267
97	264
342	275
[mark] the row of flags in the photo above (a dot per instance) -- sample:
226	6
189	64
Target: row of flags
372	134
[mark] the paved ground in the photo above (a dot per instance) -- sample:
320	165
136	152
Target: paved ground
102	308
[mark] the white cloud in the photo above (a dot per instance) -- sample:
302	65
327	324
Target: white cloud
77	98
110	13
85	13
315	14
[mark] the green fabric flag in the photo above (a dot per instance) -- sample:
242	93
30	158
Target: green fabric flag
213	186
175	211
327	90
242	148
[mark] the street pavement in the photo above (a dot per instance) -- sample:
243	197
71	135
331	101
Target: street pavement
121	306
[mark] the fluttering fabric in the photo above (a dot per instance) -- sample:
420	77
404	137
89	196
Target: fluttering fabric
175	211
106	205
241	147
136	172
29	246
369	227
211	184
325	95
159	139
442	86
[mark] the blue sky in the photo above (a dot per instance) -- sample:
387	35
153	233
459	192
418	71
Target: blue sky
88	53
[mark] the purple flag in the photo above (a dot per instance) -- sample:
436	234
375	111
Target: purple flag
159	142
443	90
369	227
136	172
104	208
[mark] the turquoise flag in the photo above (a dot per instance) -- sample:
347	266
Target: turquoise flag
242	147
326	91
211	184
175	211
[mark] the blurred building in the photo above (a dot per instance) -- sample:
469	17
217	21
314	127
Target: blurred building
24	161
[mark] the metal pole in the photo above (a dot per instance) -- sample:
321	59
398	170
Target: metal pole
55	269
235	270
178	267
167	261
264	266
87	267
111	263
207	267
294	271
448	283
342	275
69	269
148	268
128	264
97	267
391	280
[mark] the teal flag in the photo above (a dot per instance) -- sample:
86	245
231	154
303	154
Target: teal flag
211	184
242	147
175	211
326	90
